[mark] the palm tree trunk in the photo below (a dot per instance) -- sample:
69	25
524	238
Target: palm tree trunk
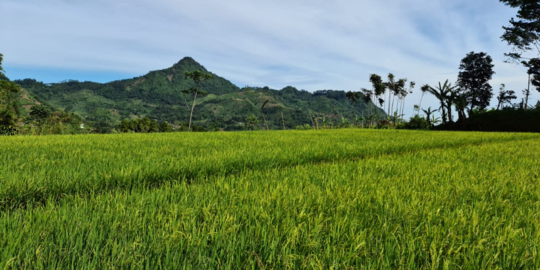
443	112
389	100
398	104
192	108
371	113
472	103
392	111
264	118
420	105
403	110
283	120
312	122
528	92
449	108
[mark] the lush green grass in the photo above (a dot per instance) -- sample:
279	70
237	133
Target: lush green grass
347	199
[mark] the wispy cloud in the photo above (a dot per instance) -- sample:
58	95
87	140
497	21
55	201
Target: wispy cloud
310	44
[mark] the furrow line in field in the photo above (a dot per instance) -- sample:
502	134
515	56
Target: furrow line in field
23	196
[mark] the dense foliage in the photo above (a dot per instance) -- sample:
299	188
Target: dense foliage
476	70
361	199
144	125
508	120
9	105
524	33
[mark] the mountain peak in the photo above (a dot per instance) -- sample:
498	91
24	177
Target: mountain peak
188	61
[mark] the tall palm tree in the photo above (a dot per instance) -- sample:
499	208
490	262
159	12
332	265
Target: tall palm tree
395	88
452	96
506	96
353	97
444	93
198	77
379	88
428	113
424	89
389	85
403	94
460	103
367	98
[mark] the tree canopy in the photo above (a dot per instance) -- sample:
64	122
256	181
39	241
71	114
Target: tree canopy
476	70
523	33
1	59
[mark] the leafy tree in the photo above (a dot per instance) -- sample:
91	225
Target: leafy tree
9	92
251	121
523	34
126	126
353	97
198	77
7	123
533	66
102	127
505	96
533	70
165	127
417	122
143	125
9	96
476	70
40	113
1	59
154	126
2	71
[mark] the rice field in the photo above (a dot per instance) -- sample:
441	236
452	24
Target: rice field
330	199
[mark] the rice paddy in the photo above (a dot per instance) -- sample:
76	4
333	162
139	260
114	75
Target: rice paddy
330	199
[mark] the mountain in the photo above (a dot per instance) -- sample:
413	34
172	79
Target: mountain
157	95
27	101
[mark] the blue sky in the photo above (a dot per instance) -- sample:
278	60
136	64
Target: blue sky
309	44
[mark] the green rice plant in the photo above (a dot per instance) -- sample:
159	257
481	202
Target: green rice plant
340	199
38	168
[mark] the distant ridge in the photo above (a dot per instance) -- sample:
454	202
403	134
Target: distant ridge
157	95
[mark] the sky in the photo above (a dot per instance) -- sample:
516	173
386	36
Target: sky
309	44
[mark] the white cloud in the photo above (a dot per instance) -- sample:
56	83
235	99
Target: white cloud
310	44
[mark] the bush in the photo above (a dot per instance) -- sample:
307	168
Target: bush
303	127
7	123
416	122
508	120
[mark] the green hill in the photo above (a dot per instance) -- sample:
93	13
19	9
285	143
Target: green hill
157	95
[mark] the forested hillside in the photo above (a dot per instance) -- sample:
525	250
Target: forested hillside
157	95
